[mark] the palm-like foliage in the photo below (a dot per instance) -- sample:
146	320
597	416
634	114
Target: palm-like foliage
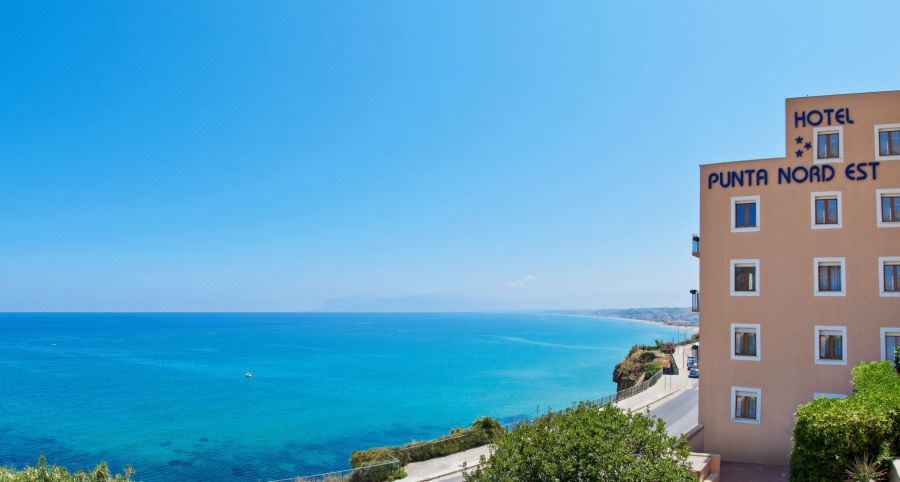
54	473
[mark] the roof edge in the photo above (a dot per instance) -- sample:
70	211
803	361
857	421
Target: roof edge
847	93
742	160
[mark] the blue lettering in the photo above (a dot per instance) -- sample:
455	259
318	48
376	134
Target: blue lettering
784	174
805	174
839	116
850	171
809	118
713	178
815	174
827	173
762	177
798	118
874	169
828	114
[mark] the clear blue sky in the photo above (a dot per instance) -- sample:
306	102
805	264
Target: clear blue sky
275	155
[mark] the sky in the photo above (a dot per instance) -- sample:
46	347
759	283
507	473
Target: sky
306	155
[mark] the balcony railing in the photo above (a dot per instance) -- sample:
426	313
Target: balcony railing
695	246
695	301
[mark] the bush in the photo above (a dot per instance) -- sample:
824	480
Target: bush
54	473
651	370
831	433
647	356
587	442
482	432
667	347
897	358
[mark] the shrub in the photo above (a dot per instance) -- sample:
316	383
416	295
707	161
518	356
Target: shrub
897	358
482	432
651	370
667	347
587	442
830	434
54	473
647	356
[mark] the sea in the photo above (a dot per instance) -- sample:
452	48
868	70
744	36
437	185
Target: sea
168	393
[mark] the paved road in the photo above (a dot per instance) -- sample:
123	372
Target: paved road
679	411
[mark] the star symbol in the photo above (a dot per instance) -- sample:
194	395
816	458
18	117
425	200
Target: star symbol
799	153
798	139
807	146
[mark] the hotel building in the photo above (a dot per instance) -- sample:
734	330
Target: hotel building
799	271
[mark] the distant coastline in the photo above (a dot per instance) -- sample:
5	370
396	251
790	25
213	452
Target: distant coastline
679	317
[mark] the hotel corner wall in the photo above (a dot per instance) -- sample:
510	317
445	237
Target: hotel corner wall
786	308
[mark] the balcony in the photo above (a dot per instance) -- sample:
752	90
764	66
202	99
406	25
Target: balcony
695	246
695	301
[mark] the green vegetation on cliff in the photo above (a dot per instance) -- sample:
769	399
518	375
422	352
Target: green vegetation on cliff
587	442
54	473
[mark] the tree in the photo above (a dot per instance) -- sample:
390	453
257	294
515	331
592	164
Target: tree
587	442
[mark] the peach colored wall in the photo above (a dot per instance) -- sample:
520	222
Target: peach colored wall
786	308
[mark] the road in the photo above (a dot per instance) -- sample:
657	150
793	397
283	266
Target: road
679	411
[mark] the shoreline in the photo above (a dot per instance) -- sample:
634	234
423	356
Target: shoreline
692	328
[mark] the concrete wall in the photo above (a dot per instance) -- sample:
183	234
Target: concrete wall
787	309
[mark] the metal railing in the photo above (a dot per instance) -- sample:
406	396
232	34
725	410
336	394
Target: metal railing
672	369
695	246
630	391
358	474
695	301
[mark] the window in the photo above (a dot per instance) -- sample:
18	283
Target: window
745	404
744	214
745	342
829	276
825	208
831	345
890	340
888	207
829	145
745	277
889	275
887	142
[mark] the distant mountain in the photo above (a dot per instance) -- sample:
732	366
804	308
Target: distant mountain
420	303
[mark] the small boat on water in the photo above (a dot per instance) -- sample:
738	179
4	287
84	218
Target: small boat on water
248	375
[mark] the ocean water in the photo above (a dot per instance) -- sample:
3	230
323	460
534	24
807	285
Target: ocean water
167	393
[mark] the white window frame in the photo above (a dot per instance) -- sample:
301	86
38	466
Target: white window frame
820	328
878	129
882	337
813	196
734	263
740	200
828	130
881	262
755	391
734	327
829	395
842	262
878	194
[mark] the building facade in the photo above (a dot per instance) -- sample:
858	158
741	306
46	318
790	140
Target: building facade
799	270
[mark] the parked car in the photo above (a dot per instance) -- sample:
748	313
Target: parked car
694	373
691	361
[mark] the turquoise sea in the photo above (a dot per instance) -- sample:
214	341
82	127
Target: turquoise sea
167	392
